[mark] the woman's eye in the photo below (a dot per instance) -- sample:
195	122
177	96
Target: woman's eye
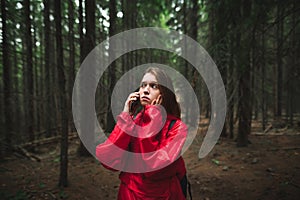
154	85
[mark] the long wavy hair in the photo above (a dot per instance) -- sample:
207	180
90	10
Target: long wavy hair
169	101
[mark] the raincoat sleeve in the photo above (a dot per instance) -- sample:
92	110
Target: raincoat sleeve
168	154
110	152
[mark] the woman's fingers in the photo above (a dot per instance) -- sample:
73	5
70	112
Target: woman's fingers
157	101
132	97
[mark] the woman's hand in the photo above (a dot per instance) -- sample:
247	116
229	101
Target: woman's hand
132	97
157	101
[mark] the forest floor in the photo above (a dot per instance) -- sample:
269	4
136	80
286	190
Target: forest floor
268	169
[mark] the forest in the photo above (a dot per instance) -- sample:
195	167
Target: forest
254	44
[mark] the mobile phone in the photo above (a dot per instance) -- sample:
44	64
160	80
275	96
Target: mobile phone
135	104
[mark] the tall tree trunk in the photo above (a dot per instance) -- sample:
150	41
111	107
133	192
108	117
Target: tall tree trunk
186	48
24	88
129	13
29	73
194	34
185	31
81	35
233	69
81	149
123	27
220	48
263	101
16	112
7	83
263	74
291	83
230	89
90	7
53	78
279	36
63	177
71	55
47	83
35	65
133	24
126	25
244	107
112	69
211	45
42	79
254	65
88	46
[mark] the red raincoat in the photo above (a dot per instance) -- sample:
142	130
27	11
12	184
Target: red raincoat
159	156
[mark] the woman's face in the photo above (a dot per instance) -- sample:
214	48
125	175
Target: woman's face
149	90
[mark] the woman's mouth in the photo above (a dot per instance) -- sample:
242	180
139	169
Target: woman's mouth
145	99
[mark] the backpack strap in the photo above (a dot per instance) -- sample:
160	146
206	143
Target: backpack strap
189	189
171	125
186	187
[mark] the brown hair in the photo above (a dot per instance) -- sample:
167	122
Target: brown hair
167	91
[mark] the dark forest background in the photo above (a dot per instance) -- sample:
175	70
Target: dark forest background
255	44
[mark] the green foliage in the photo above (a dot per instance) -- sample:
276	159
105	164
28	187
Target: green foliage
150	13
216	162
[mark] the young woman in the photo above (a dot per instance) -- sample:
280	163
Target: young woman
165	168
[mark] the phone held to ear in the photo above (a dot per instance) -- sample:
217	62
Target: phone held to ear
134	104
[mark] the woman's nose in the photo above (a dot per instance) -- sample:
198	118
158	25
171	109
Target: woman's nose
146	89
